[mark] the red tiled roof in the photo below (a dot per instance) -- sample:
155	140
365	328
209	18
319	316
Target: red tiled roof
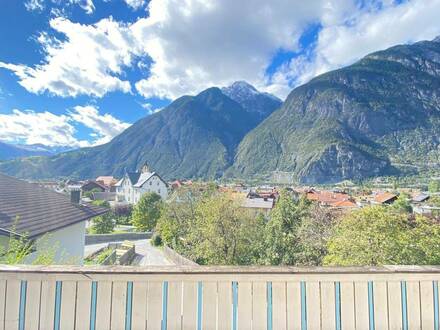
384	197
106	180
176	184
346	203
327	197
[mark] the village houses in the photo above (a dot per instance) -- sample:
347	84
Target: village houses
134	184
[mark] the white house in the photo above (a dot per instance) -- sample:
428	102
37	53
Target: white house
134	184
34	212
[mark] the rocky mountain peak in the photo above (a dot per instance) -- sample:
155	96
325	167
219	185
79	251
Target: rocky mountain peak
240	89
251	99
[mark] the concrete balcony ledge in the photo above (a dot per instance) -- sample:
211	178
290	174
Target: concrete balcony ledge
185	269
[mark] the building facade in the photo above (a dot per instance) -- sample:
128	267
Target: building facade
134	184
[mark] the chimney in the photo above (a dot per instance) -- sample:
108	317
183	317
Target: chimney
75	196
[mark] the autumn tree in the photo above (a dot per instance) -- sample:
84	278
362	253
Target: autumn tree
313	235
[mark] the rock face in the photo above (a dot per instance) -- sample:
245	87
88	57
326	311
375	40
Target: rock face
194	137
364	120
339	162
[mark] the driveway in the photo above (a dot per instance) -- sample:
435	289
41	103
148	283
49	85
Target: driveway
146	254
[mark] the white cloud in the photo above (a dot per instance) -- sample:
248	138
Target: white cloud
34	5
61	5
147	106
87	5
370	30
193	44
30	127
150	108
136	4
105	126
198	43
183	47
90	61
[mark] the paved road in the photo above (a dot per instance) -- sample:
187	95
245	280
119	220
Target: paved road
146	254
150	255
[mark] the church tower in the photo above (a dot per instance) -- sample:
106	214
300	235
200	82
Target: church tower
145	168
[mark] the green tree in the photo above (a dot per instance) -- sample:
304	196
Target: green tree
225	233
281	243
402	204
103	224
422	242
435	202
378	235
122	214
434	186
147	211
178	217
210	227
18	250
101	203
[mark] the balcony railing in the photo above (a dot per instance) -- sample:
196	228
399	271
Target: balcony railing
74	297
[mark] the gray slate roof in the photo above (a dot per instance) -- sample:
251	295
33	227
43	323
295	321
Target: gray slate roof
144	177
133	177
421	198
258	203
39	210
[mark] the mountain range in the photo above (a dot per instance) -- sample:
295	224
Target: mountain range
10	151
195	136
379	116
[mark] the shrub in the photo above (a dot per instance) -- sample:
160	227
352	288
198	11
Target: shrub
156	240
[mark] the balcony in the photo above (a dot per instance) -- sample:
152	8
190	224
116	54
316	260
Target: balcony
74	297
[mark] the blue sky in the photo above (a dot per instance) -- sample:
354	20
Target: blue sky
78	72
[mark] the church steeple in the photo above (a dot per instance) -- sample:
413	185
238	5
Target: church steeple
145	168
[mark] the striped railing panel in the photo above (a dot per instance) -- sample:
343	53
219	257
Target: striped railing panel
51	298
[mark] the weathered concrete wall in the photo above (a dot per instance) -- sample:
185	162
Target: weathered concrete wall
177	258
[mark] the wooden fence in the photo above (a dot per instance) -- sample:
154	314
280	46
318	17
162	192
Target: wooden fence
102	298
